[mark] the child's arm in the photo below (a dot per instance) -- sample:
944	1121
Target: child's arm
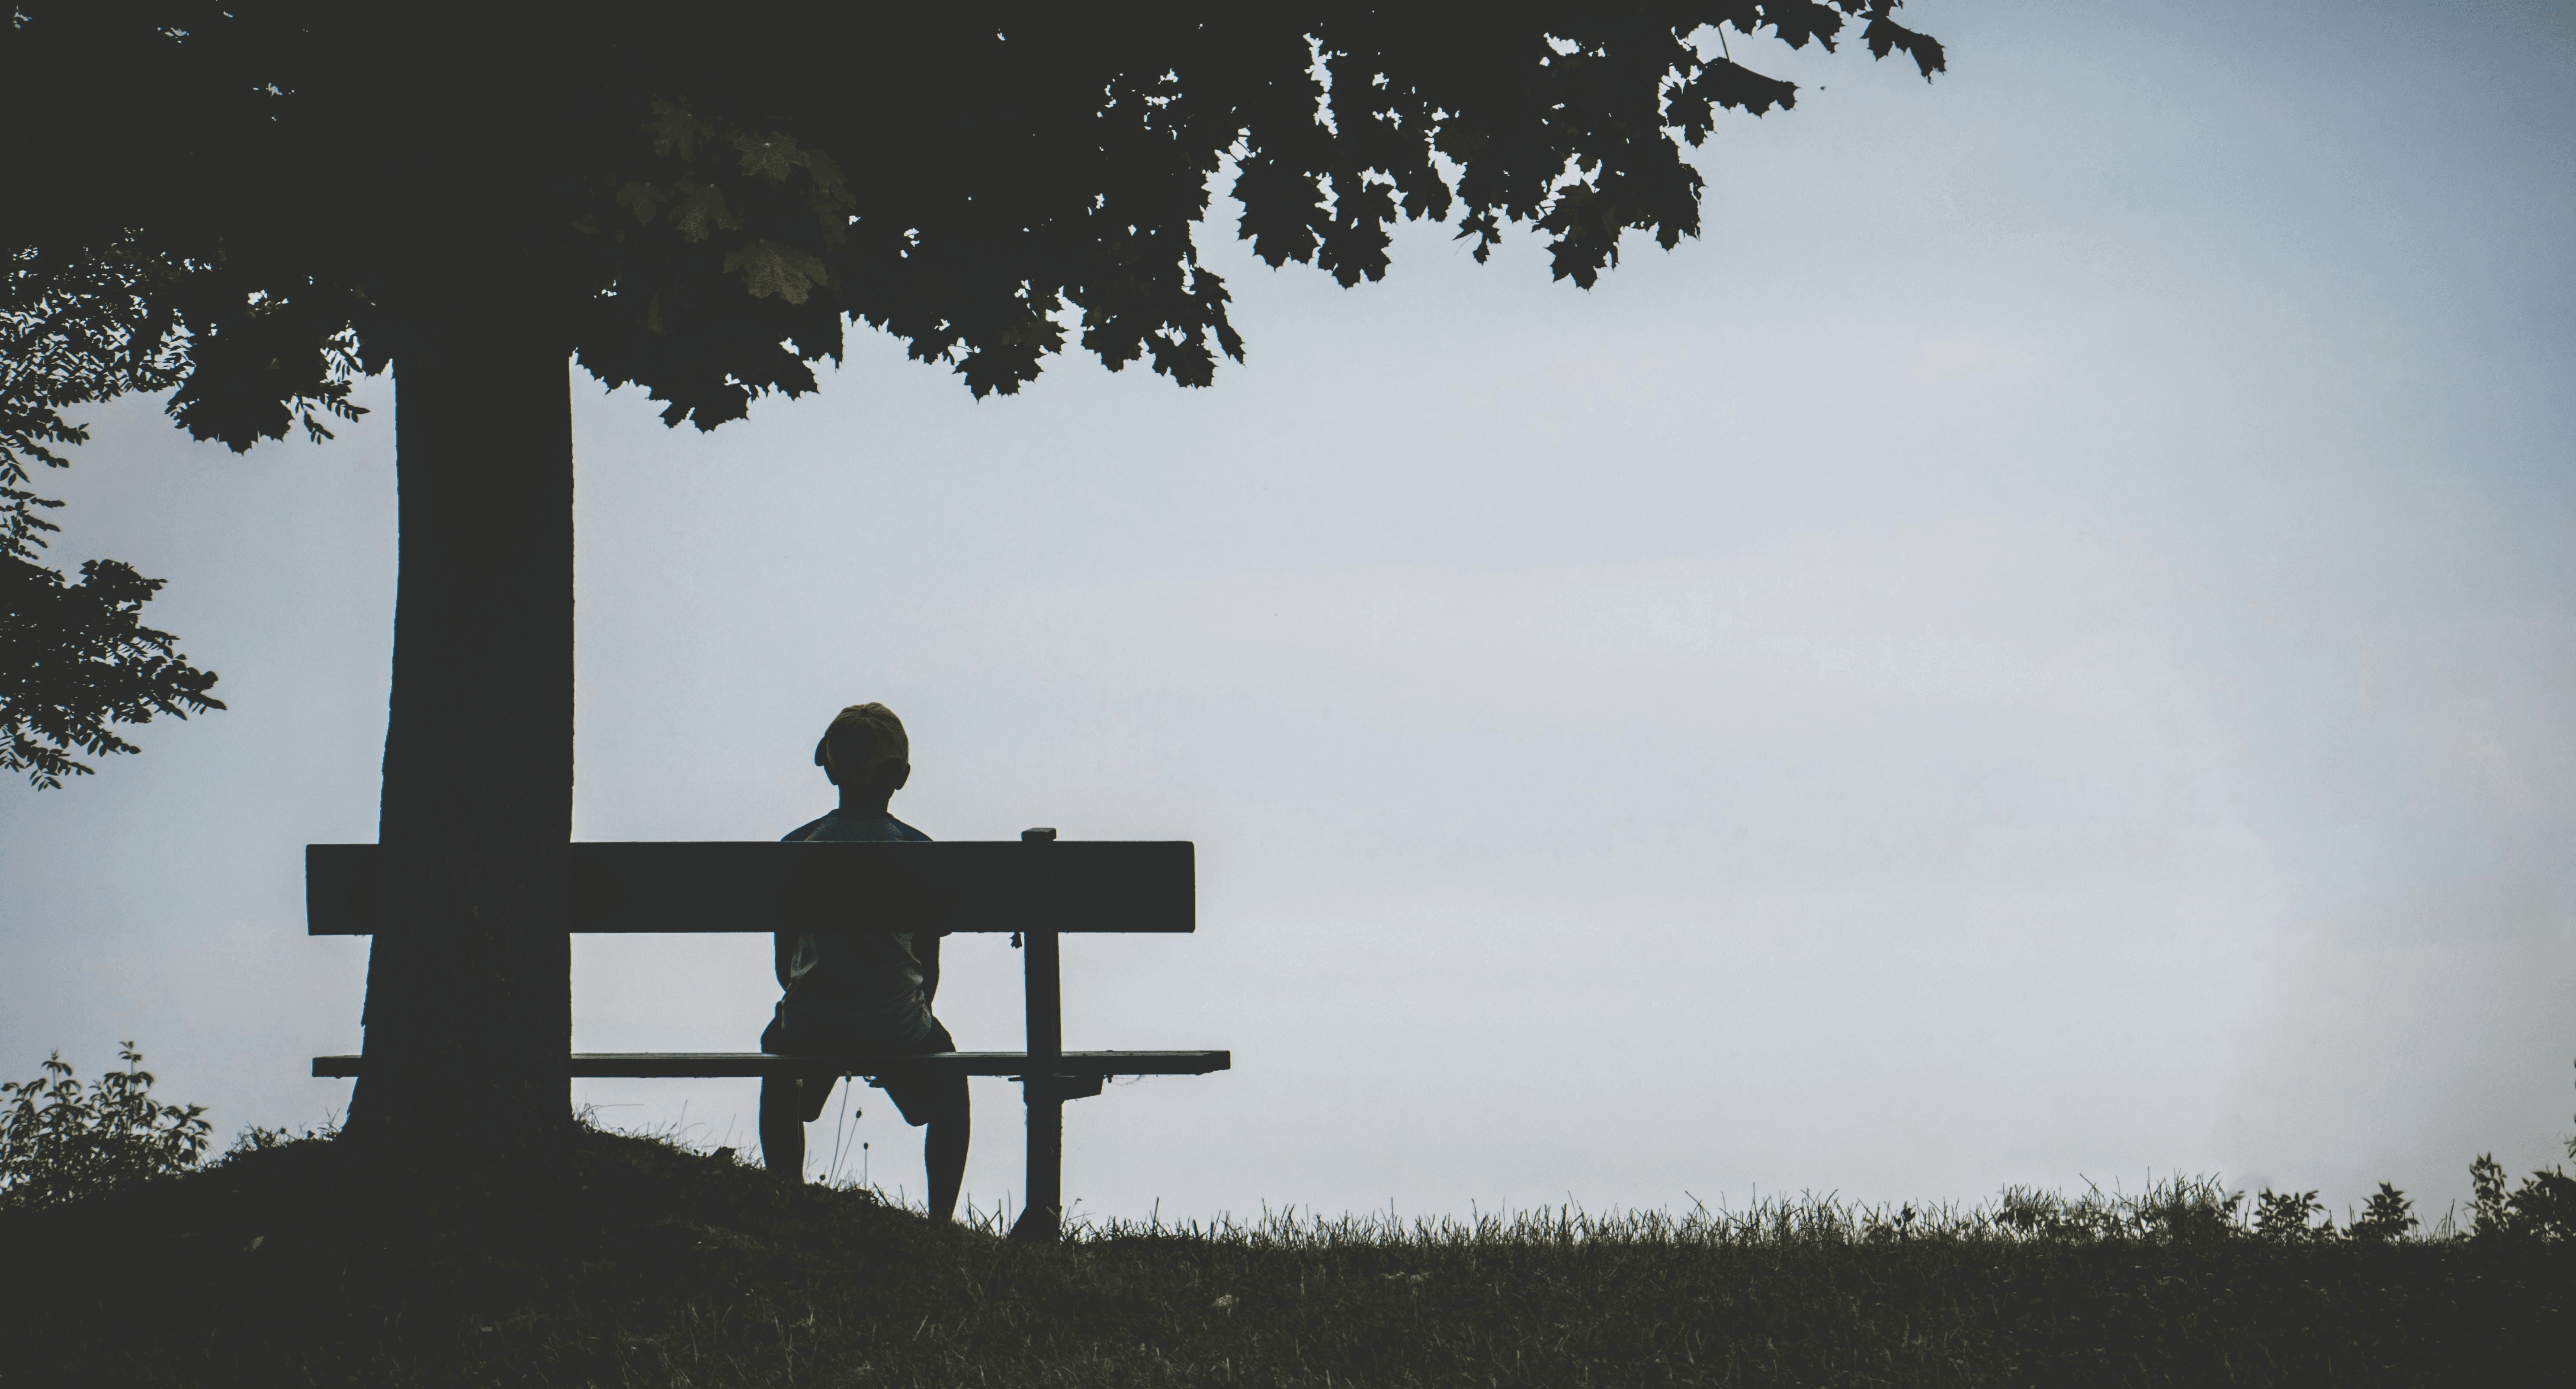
925	948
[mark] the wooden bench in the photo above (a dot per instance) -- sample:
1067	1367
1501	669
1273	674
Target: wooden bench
1037	887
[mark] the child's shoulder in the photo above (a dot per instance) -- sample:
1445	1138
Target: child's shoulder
804	831
907	832
837	826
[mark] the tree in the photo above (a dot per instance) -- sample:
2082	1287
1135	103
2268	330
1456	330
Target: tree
696	199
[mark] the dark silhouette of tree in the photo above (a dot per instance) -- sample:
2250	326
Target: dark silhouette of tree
695	199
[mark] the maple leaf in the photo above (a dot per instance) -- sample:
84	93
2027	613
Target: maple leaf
831	187
676	130
702	210
1885	35
1732	84
770	156
644	199
771	267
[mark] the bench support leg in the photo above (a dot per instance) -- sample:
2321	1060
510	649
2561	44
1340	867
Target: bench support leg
1043	1217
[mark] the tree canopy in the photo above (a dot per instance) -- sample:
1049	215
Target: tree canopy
701	199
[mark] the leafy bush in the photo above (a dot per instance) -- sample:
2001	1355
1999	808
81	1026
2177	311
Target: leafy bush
63	1142
2388	1216
2544	1209
2283	1216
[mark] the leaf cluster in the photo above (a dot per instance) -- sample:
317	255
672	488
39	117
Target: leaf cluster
75	658
2289	1217
2387	1216
2543	1208
73	329
62	1142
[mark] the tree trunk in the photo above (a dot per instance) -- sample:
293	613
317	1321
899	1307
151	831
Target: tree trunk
469	1006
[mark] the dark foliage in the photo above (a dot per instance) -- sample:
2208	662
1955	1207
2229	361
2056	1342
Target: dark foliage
62	1142
76	657
2388	1216
2285	1217
256	201
2543	1208
74	328
700	200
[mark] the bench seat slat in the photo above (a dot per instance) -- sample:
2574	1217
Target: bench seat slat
675	1064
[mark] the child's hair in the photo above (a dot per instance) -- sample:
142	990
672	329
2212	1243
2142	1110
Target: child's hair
861	739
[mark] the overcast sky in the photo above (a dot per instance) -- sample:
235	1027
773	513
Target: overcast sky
2038	650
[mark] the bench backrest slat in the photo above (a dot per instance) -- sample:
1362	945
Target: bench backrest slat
1087	885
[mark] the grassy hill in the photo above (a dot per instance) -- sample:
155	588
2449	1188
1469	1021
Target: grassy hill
289	1264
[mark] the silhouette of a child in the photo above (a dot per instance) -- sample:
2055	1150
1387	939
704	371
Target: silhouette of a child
863	989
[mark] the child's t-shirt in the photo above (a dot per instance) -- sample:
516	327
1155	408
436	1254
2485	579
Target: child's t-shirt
866	985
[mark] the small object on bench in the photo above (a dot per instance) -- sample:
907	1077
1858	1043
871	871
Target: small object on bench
653	888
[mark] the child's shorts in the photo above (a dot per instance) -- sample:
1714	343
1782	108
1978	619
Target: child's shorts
920	1100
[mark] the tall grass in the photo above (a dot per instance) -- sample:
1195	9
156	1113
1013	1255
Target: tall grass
291	1260
2180	1208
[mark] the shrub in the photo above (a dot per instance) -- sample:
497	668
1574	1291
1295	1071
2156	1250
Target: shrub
2387	1217
2544	1209
2283	1217
62	1142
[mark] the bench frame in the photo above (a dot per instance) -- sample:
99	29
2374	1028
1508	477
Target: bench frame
339	891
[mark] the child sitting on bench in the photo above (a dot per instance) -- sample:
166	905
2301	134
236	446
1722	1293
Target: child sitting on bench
863	988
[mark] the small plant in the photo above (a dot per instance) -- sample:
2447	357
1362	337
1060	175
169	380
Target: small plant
63	1142
1879	1228
2283	1217
2387	1217
259	1138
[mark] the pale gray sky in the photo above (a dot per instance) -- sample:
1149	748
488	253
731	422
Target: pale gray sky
2040	649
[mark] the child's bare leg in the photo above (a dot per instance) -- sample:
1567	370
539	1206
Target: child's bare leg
943	1151
782	1126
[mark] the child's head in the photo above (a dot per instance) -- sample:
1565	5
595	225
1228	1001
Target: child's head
865	744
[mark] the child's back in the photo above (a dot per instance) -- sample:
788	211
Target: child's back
862	988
